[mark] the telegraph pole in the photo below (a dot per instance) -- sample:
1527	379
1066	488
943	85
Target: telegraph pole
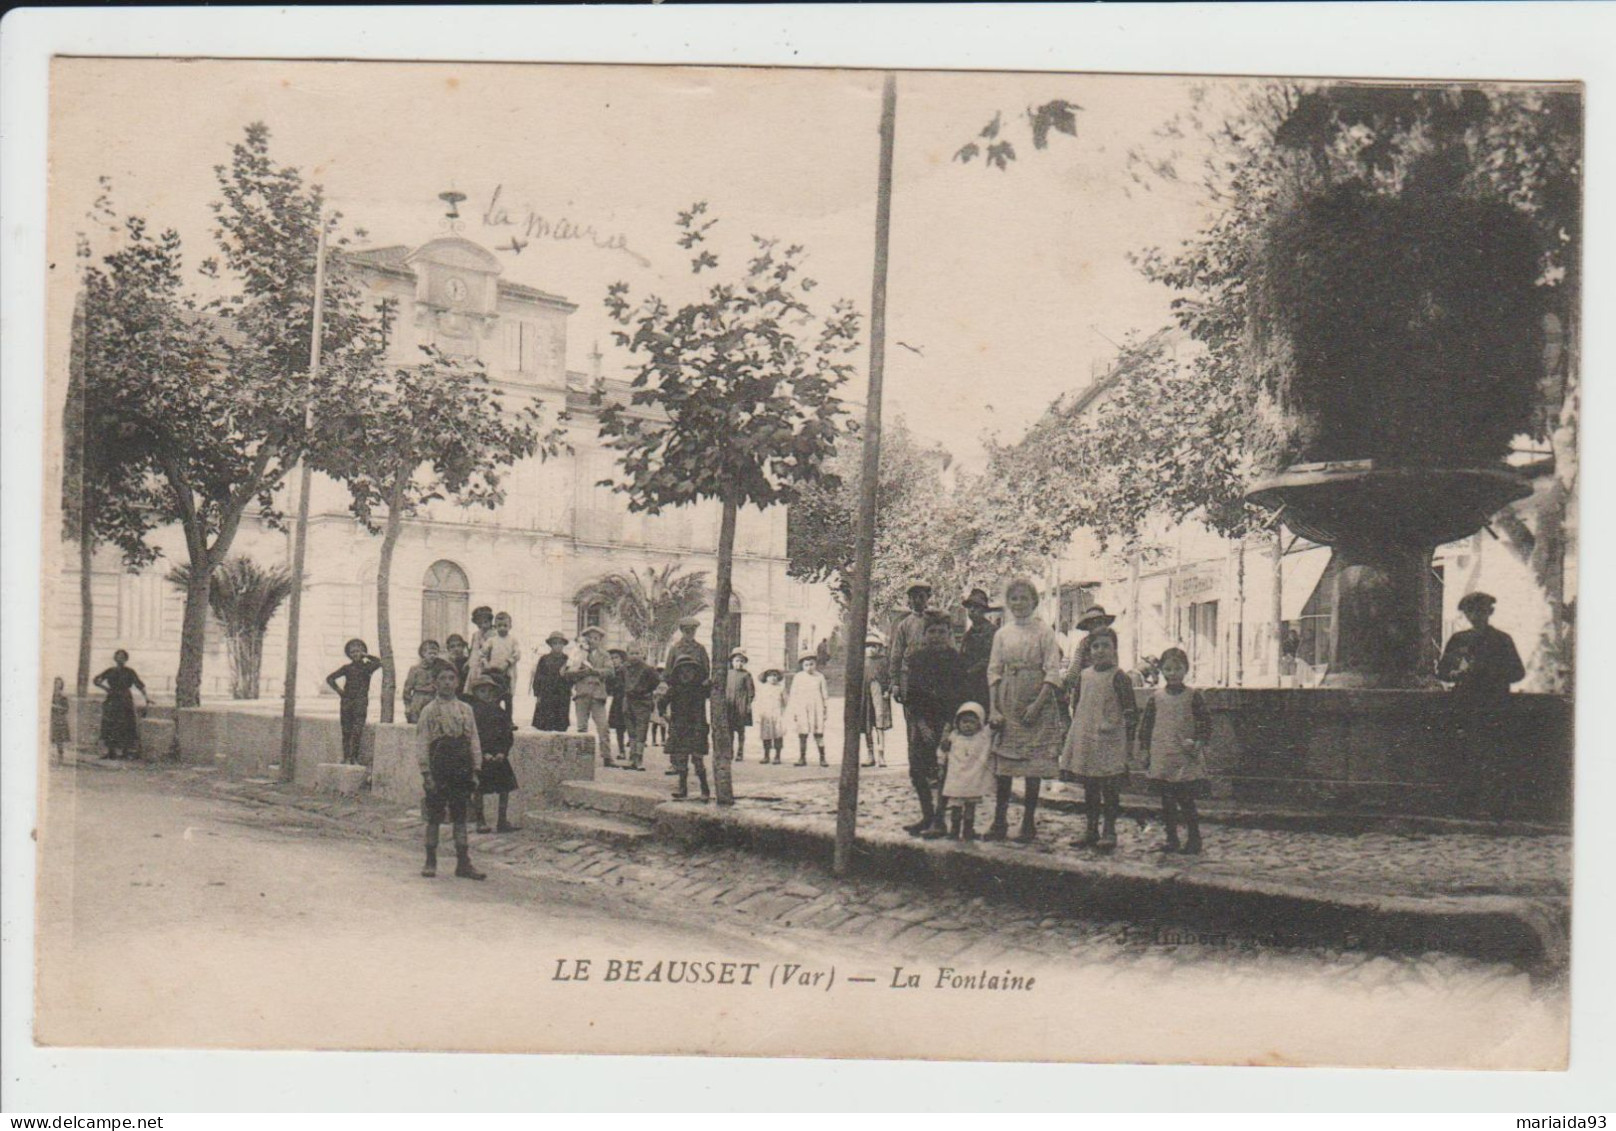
864	538
300	532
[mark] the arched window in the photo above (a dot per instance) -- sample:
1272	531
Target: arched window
445	602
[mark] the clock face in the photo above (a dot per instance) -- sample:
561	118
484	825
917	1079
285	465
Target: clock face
456	289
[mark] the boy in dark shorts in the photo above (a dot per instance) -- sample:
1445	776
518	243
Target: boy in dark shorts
450	757
688	734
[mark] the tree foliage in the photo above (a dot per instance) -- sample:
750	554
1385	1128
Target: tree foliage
207	403
415	434
650	603
733	397
917	526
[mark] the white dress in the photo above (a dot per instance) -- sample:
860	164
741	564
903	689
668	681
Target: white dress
969	766
769	709
808	704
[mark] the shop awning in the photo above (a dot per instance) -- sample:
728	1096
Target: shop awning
1301	572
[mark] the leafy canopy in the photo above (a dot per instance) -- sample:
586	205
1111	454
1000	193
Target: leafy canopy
733	397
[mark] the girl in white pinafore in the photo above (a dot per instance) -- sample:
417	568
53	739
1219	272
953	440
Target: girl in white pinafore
1098	741
808	707
1172	742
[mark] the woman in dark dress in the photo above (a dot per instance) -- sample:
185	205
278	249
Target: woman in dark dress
120	733
553	710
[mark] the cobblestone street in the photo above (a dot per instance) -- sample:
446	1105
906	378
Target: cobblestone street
1387	863
232	898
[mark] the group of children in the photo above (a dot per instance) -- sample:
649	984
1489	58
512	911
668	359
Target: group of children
1080	723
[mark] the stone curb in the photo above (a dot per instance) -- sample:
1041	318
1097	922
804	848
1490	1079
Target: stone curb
1525	932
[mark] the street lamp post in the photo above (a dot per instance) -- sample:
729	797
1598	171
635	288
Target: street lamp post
300	531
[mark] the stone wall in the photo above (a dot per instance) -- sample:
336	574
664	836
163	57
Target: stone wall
242	744
542	761
1383	751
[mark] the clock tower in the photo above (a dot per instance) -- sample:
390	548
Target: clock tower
456	294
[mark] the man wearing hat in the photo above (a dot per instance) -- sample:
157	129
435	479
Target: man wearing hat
1095	617
977	647
588	673
908	636
1481	662
688	645
551	687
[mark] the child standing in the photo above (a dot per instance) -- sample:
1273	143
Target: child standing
1101	735
450	756
60	735
739	693
877	701
936	689
659	717
685	700
500	654
355	693
422	682
640	681
459	661
617	713
967	761
495	736
769	708
808	706
1172	742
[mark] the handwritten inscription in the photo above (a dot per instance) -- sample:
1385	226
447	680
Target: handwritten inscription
529	225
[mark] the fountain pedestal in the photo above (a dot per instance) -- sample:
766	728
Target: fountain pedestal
1383	525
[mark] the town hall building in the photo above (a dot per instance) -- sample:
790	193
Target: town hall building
539	555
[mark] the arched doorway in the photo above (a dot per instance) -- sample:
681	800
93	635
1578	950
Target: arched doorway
445	602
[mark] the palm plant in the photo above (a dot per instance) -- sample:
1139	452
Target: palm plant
651	603
244	597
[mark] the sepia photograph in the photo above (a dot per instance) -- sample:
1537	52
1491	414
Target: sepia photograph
820	562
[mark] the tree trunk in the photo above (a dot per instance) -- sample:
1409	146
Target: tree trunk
81	684
246	661
193	633
723	787
384	616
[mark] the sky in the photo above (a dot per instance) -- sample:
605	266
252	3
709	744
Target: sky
1005	288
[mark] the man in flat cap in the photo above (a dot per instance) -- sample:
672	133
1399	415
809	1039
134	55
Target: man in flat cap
688	645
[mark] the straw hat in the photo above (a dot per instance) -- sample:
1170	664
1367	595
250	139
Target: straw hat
555	638
1095	618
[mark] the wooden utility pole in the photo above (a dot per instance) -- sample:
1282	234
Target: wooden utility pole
300	532
864	538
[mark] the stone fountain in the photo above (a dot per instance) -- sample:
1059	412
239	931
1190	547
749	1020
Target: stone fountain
1383	525
1396	343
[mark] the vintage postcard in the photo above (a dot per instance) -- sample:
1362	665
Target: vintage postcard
804	562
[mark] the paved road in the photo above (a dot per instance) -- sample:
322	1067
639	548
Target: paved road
176	913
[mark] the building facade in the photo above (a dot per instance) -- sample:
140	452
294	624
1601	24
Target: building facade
539	555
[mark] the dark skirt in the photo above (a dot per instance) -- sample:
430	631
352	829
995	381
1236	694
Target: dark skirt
119	730
497	775
553	711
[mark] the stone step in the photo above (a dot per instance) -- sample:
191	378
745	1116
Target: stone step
611	797
577	823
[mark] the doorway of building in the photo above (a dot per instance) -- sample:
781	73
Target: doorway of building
445	602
